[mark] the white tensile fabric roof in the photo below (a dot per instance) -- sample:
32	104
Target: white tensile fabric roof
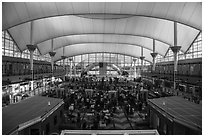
116	27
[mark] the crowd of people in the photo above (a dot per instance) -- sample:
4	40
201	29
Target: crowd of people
95	100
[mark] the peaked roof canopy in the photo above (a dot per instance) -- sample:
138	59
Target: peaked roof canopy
86	27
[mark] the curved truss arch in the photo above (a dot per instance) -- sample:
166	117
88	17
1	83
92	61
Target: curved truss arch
115	67
109	62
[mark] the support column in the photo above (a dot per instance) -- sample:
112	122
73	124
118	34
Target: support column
70	59
31	47
142	58
175	49
63	58
135	74
74	66
67	70
154	54
52	54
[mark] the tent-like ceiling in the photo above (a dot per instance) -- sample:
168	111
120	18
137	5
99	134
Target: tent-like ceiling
87	27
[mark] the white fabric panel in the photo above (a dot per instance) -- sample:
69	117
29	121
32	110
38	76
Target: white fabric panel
34	10
45	47
139	26
153	26
67	24
49	9
87	25
175	10
49	28
188	10
160	6
110	48
21	35
64	8
197	16
187	13
161	48
39	33
20	9
112	7
107	38
167	32
83	29
80	7
109	26
131	26
129	7
77	24
10	15
54	27
97	7
58	54
185	35
98	38
147	55
164	29
144	8
120	26
114	38
83	39
97	26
